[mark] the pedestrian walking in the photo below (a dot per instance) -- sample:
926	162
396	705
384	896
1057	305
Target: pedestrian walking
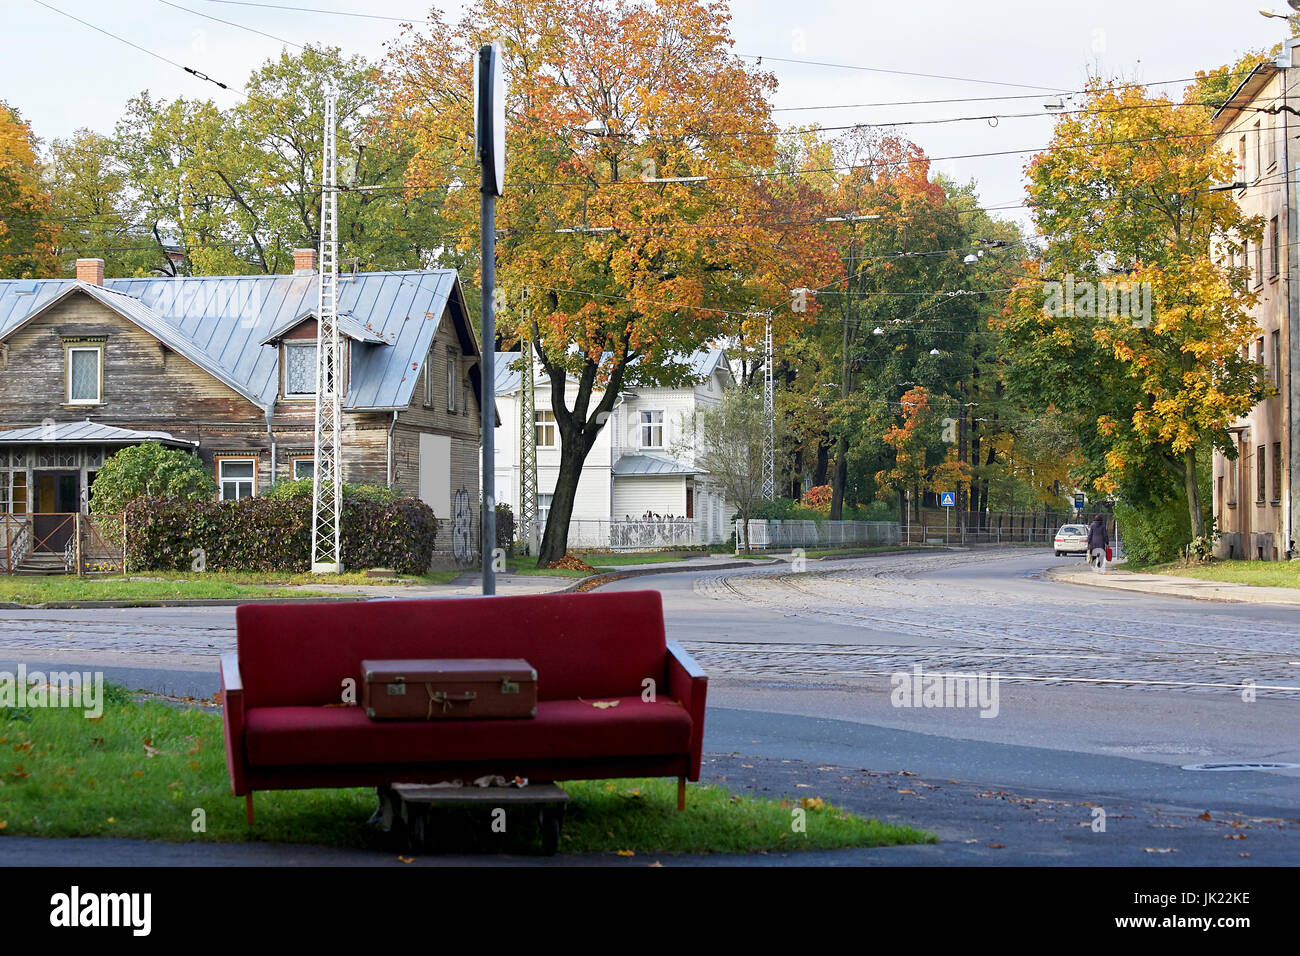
1098	542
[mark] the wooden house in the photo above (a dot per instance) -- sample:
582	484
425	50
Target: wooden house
224	366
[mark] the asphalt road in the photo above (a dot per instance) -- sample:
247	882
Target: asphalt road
1101	698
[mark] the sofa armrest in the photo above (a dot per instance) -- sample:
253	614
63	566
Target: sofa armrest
232	716
688	683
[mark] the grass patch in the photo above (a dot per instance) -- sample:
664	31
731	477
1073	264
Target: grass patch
1273	574
208	585
143	769
24	589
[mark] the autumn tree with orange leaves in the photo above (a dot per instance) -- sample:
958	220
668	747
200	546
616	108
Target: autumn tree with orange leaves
633	225
26	237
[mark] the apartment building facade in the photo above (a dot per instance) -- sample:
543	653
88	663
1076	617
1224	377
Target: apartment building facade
1257	496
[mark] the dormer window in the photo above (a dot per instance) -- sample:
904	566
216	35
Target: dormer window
299	368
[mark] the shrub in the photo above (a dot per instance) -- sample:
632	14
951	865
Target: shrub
301	488
505	528
1154	534
149	471
818	498
274	534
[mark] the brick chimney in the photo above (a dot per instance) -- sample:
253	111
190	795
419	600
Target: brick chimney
90	270
304	262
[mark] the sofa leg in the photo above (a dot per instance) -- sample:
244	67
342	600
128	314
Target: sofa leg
681	794
248	806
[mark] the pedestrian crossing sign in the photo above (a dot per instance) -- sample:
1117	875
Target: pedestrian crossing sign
947	499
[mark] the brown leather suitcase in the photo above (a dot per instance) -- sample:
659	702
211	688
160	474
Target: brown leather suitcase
448	689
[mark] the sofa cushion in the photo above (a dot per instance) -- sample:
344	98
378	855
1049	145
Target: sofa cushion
582	645
279	736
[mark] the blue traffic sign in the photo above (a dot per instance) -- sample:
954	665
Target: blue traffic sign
1078	502
947	499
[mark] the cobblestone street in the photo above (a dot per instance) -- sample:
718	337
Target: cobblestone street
1021	627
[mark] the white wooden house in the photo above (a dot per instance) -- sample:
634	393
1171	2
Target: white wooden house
639	487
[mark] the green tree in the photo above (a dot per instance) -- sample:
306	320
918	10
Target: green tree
727	441
149	471
90	196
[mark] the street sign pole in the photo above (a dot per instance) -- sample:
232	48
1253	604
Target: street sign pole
489	133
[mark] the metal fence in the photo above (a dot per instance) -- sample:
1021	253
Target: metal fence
986	528
636	534
776	534
68	542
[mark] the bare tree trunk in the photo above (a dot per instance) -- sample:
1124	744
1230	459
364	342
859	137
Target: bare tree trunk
823	464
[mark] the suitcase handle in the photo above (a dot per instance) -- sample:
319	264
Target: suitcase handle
442	697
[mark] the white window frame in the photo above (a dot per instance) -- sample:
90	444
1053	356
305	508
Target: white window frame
295	462
544	423
303	344
222	461
99	374
644	426
544	503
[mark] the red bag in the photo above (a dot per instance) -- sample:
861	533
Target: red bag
1109	554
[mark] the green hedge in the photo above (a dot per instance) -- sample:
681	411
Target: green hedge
274	534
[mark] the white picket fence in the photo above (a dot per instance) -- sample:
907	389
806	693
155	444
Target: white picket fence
779	535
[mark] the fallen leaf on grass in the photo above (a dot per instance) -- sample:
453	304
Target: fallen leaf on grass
812	803
806	786
657	863
627	853
406	859
3	824
996	846
1205	816
913	792
1234	836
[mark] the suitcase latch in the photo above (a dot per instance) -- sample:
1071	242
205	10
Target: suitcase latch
396	690
508	686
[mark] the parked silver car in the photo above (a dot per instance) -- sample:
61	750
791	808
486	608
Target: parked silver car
1071	539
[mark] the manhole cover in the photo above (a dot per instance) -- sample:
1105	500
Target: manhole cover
1243	765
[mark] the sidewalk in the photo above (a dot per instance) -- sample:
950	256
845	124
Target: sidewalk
1168	585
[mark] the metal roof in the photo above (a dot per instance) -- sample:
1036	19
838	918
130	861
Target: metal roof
628	465
219	323
703	363
85	433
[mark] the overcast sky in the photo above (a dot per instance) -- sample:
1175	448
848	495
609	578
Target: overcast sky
63	76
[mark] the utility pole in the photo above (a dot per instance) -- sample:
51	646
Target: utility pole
490	145
769	414
327	476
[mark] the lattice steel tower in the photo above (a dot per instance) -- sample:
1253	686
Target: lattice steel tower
527	451
326	484
769	414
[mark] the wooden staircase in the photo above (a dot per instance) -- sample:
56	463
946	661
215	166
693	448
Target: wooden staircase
42	562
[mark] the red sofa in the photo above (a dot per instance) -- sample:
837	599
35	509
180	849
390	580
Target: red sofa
285	729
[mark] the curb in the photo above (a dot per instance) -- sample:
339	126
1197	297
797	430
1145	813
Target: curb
593	581
1214	597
